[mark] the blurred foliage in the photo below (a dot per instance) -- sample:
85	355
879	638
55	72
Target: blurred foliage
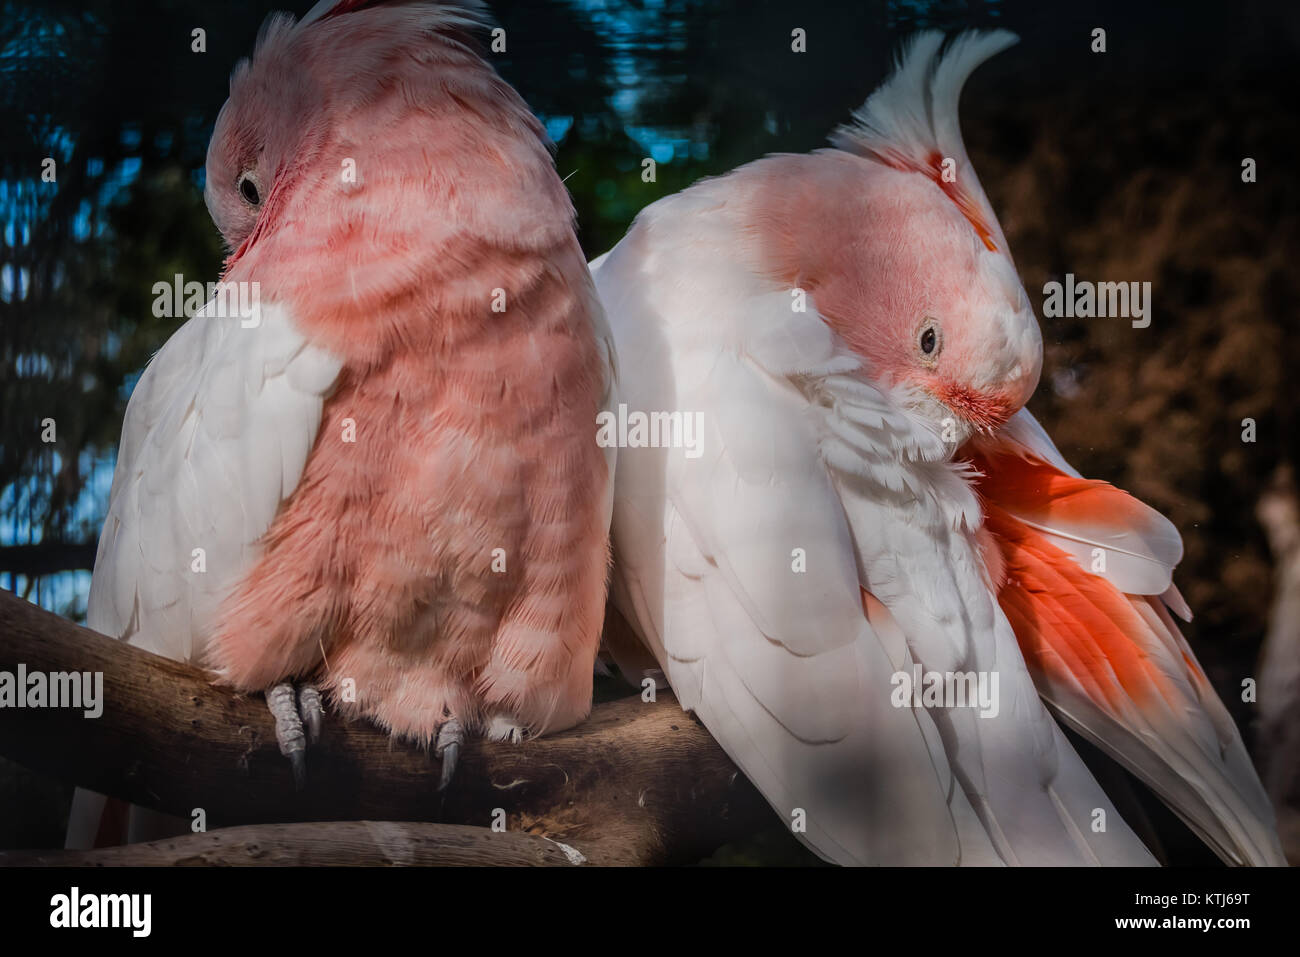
1115	166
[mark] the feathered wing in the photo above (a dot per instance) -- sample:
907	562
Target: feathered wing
1083	568
216	435
745	569
782	667
1103	650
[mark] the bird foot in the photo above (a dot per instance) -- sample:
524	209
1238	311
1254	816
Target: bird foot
299	714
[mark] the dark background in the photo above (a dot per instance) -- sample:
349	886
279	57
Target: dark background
1122	166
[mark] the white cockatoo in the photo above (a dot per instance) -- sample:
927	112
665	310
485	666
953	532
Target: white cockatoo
870	572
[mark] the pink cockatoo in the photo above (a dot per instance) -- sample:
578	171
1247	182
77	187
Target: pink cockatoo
869	511
385	480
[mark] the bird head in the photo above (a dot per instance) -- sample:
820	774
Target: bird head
897	244
368	150
303	97
947	316
957	325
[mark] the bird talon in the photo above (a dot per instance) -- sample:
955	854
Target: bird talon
312	710
450	755
450	737
298	763
283	703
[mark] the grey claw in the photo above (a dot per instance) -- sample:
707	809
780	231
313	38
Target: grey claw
312	710
298	762
288	730
450	755
450	737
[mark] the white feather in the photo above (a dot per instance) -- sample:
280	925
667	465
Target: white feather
216	437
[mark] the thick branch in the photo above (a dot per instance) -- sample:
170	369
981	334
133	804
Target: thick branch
635	783
338	844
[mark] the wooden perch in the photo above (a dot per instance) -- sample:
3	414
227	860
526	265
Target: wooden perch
339	844
636	783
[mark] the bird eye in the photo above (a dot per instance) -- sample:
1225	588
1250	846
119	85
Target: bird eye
248	190
929	340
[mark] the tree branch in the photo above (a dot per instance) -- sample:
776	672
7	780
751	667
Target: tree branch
636	783
337	844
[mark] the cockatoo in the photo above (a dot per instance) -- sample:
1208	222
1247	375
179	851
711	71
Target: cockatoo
385	479
870	513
